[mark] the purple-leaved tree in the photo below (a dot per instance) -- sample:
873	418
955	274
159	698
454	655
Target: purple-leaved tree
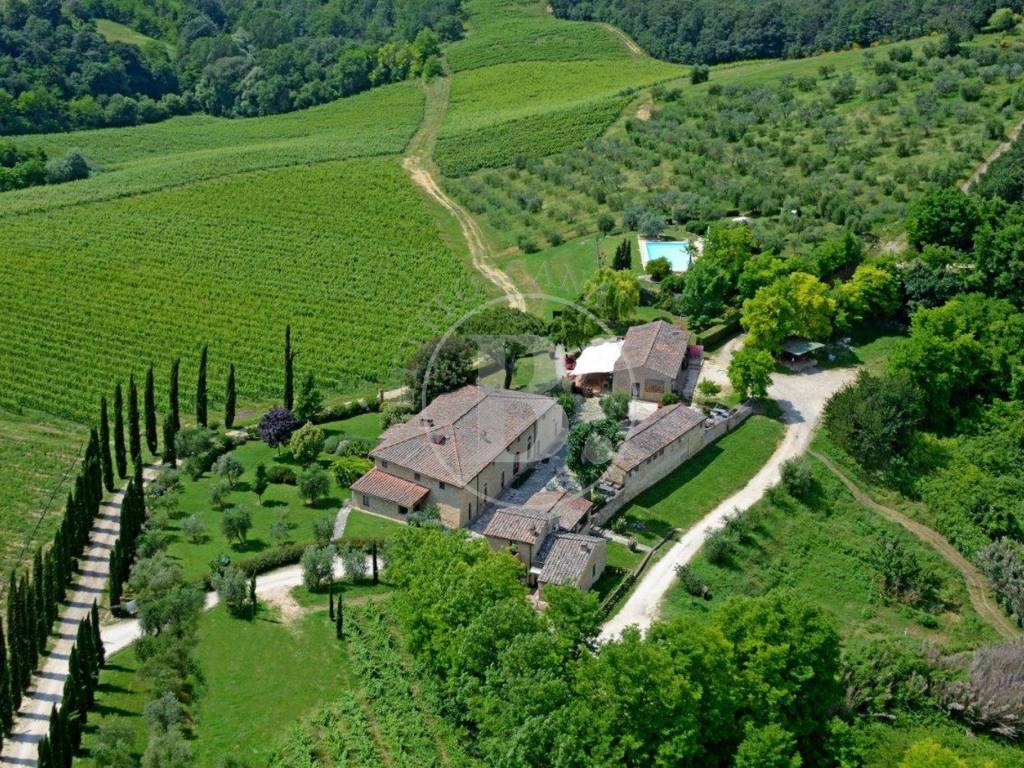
276	427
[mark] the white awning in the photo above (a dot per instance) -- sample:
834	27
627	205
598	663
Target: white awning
598	358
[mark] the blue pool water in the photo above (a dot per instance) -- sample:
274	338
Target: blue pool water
677	252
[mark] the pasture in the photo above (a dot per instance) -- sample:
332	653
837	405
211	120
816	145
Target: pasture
228	262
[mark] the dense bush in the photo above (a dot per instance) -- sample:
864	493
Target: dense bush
281	475
1003	562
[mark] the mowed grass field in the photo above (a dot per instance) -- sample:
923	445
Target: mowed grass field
349	253
547	86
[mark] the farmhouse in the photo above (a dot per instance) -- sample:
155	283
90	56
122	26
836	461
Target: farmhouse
462	449
652	362
656	446
546	533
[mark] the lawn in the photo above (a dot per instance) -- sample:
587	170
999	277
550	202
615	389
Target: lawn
362	525
279	502
823	551
699	485
227	263
621	560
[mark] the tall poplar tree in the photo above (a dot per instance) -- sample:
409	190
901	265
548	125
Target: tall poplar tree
230	398
201	389
134	430
149	404
104	438
172	395
289	369
120	455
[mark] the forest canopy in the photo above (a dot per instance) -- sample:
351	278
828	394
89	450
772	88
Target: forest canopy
714	31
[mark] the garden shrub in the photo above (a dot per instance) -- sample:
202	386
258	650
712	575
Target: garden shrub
797	478
280	475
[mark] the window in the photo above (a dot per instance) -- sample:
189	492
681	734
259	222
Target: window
502	479
471	510
416	475
384	464
366	501
440	484
655	385
593	570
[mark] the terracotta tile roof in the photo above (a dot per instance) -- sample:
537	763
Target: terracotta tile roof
384	485
523	525
565	556
658	430
658	346
568	507
461	432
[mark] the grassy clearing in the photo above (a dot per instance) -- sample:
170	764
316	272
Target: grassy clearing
37	460
699	485
319	247
280	502
822	549
119	33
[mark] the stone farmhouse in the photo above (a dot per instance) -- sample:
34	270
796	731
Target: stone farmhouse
653	361
548	534
459	452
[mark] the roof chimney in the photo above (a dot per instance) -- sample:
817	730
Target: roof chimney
437	438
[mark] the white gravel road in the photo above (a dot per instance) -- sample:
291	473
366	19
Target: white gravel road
802	398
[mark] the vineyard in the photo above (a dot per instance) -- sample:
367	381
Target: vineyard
347	252
386	719
188	149
803	147
547	86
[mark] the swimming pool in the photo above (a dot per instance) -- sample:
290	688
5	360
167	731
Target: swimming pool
676	251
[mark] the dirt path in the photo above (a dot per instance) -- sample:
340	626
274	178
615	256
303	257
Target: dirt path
978	587
635	50
996	153
802	398
420	167
32	720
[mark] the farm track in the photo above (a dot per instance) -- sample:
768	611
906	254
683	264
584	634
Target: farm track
978	587
996	153
635	50
419	165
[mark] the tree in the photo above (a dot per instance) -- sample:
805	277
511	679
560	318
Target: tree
874	419
317	566
872	293
615	406
276	427
348	469
575	617
590	448
838	254
230	398
106	461
235	524
623	259
260	482
150	410
314	484
307	443
795	305
572	328
311	402
505	334
786	656
339	621
353	562
134	425
323	530
289	368
438	366
172	395
1001	20
233	588
6	708
112	747
707	290
659	269
612	295
930	754
219	493
193	528
228	467
169	749
201	389
943	216
750	371
770	746
120	455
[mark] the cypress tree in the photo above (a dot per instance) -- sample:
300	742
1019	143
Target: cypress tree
172	395
86	661
120	455
6	709
230	397
93	474
115	574
339	620
201	389
104	437
44	760
134	433
97	638
330	599
50	574
26	633
71	700
13	643
57	738
252	592
169	432
42	626
149	404
289	373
